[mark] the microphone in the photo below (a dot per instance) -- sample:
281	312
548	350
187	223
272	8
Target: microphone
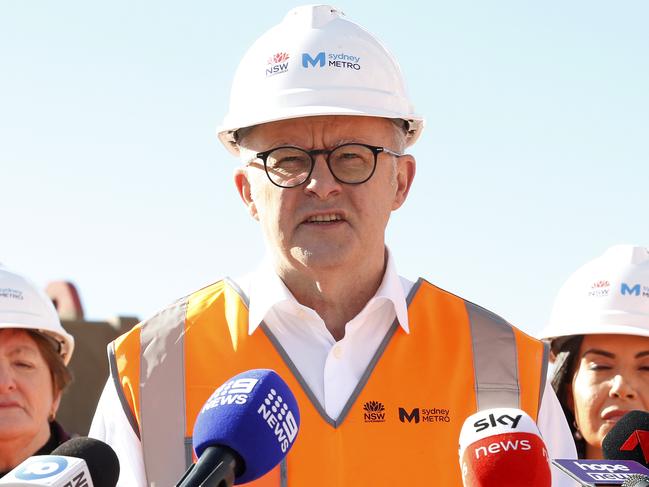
79	462
243	430
590	473
502	447
636	480
629	438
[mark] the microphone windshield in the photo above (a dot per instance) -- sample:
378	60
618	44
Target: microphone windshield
100	458
629	439
256	415
502	447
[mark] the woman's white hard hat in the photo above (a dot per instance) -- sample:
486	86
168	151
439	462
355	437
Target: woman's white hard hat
24	305
316	62
608	295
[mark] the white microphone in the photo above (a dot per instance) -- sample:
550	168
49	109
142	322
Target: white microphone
502	447
79	462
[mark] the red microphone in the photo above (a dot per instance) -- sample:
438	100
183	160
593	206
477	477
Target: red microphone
502	447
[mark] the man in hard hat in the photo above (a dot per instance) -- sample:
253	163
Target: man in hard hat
385	370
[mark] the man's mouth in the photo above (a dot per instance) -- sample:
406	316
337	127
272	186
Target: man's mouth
324	218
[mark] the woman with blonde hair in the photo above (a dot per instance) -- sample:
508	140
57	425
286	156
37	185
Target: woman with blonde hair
599	334
34	353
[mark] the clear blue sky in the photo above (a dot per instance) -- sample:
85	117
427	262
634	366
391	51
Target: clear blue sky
535	157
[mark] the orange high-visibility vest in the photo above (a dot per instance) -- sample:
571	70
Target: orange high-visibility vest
401	425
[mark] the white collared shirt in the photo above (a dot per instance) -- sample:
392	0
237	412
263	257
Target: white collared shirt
331	369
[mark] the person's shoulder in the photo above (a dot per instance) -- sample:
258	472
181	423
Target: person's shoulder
472	307
175	312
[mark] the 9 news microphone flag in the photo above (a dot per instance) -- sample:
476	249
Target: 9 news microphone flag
502	447
243	431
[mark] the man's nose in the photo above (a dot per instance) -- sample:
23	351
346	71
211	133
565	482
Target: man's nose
322	182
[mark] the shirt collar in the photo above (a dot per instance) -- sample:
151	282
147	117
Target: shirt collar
267	290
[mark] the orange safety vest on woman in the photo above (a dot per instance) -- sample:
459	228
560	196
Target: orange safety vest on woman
400	426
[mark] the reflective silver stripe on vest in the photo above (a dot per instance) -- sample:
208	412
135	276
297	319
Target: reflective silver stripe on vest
283	466
162	396
114	374
544	373
495	359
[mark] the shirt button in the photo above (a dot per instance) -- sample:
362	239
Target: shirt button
338	351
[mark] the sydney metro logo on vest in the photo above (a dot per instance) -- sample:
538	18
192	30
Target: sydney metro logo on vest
232	392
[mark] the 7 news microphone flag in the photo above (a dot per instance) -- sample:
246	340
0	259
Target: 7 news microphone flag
629	438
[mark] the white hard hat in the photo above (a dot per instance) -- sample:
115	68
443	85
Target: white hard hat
316	62
609	294
23	305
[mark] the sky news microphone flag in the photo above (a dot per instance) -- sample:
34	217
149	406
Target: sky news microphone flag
84	462
256	416
629	438
502	447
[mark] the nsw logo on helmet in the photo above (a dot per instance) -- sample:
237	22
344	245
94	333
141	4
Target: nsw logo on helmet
277	63
600	288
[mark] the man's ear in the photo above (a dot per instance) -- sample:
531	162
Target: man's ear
405	174
242	183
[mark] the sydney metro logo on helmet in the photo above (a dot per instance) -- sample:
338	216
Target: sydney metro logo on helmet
332	60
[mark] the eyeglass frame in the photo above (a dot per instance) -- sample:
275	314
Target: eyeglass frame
376	150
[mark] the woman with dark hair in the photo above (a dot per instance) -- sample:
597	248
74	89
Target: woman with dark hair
599	334
34	353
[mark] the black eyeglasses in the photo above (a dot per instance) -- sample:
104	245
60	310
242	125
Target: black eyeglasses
288	167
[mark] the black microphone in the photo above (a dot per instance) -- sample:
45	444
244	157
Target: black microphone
77	462
636	480
629	439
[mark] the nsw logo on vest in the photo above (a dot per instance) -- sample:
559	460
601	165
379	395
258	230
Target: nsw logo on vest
424	415
232	392
374	412
279	418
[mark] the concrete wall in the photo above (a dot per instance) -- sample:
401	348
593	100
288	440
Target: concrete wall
89	367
